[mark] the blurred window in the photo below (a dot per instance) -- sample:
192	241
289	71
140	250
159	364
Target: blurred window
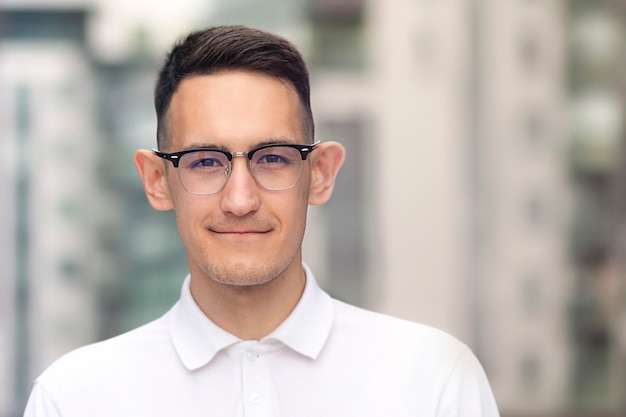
530	51
69	208
535	129
71	269
46	25
531	373
531	294
537	210
338	40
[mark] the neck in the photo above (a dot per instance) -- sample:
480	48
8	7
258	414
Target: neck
249	312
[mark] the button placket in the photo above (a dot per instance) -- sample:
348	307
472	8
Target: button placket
256	386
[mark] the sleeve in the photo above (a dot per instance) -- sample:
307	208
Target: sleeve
467	393
40	404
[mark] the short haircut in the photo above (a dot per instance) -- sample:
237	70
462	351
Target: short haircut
224	48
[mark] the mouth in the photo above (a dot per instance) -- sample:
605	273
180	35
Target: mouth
247	229
240	232
241	236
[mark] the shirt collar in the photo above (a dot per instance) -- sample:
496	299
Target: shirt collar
197	339
308	326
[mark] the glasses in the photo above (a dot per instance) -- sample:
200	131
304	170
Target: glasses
205	171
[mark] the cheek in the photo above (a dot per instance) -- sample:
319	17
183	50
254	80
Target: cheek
304	189
297	213
183	225
188	215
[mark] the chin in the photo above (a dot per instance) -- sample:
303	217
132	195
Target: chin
239	281
244	275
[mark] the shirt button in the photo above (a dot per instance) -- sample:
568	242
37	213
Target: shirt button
255	398
252	356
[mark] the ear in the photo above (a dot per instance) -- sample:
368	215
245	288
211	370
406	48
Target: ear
326	161
152	172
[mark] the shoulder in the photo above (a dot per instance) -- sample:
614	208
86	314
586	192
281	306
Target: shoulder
100	359
107	377
359	319
414	355
402	338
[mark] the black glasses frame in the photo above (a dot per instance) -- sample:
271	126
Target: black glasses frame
174	157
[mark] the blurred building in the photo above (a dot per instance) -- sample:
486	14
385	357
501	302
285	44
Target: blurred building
523	206
76	263
596	78
469	201
49	192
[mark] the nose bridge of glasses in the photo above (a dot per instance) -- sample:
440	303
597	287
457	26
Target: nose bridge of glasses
235	155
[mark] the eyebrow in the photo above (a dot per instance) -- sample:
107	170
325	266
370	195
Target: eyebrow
278	140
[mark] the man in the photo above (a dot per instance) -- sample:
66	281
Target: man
252	333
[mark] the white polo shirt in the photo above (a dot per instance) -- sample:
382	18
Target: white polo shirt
326	359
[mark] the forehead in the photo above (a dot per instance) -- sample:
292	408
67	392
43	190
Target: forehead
233	109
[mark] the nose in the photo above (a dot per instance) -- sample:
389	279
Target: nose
240	195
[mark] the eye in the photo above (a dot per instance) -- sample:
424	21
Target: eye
205	163
204	160
275	157
272	159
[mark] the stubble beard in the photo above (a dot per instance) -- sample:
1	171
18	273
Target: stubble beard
240	275
243	274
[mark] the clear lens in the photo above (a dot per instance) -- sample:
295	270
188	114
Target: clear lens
273	168
276	167
203	172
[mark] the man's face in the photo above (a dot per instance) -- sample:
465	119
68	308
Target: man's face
243	234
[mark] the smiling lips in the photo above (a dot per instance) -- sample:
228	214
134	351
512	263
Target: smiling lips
240	235
239	231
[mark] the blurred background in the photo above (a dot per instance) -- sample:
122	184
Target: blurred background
484	191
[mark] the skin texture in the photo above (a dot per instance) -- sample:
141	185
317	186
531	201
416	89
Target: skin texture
243	243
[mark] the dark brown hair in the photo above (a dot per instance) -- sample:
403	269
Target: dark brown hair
224	48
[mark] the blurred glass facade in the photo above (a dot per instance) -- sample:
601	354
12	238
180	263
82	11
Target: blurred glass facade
596	78
483	191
